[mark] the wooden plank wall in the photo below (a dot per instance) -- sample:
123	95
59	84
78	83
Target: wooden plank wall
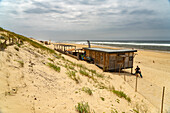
111	61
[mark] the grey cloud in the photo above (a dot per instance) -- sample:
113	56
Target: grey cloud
142	12
124	11
112	11
41	11
86	2
103	16
41	4
91	2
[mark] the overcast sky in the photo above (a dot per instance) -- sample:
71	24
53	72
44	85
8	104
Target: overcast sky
87	19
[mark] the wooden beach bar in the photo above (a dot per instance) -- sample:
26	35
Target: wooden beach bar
110	59
63	47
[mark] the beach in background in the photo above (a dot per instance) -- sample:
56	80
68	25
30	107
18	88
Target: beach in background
139	44
155	66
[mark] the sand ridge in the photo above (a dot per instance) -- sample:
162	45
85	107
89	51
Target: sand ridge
28	84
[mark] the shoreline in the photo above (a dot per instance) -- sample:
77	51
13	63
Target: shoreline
124	46
115	47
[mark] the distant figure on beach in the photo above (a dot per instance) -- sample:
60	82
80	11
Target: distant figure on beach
138	71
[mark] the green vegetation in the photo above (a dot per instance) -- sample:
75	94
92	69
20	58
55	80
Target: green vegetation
117	100
72	75
82	66
19	45
56	68
95	73
102	86
21	63
19	39
83	107
50	59
1	29
7	93
85	73
121	94
92	71
114	111
136	111
99	75
16	48
72	63
102	98
87	90
68	66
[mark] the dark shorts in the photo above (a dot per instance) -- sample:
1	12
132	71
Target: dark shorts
138	72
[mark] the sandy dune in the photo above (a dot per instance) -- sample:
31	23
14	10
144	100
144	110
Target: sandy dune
29	85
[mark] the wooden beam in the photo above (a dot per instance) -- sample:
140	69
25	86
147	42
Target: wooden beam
124	68
162	99
104	61
136	83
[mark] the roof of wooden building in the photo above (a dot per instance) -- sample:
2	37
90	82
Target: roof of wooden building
110	50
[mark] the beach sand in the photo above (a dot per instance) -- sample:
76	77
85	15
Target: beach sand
155	67
29	85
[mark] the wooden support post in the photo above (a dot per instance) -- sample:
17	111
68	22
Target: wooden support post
162	99
124	68
136	83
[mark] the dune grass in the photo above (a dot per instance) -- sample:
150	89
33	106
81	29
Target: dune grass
102	98
81	66
56	68
50	59
72	75
114	111
99	75
83	72
87	90
83	107
68	66
20	62
16	48
121	94
136	111
30	41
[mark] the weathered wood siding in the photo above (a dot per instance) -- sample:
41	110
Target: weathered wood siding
114	61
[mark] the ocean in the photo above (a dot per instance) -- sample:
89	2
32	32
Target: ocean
149	45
